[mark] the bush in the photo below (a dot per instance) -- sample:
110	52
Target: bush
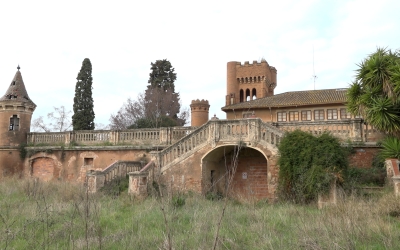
116	186
213	196
308	164
178	201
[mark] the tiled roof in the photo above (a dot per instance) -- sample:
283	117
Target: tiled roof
17	91
295	98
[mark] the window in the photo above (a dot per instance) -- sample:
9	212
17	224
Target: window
306	115
332	114
281	116
344	114
293	116
14	123
88	162
319	115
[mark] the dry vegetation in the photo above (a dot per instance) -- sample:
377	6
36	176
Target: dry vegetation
56	215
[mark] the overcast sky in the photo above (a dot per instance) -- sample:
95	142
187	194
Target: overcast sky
50	39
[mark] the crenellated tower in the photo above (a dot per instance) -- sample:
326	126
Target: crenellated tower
247	81
199	112
16	109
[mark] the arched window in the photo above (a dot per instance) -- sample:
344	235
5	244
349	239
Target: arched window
247	94
241	95
254	94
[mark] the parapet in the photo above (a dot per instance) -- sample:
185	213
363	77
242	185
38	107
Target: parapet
200	102
255	63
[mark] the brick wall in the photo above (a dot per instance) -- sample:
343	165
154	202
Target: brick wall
363	157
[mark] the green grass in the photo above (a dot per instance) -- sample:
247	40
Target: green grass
59	215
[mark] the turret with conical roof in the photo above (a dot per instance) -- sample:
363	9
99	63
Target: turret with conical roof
16	109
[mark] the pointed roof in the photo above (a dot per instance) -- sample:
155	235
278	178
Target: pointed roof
295	98
17	90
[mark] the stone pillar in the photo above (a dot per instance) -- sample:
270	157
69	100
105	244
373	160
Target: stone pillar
392	169
356	126
138	184
328	199
95	181
396	184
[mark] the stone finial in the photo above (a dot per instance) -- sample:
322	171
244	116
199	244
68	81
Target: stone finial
18	67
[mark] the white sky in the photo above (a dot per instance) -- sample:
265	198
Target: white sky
50	39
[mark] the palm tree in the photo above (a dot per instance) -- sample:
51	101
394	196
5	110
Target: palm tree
375	93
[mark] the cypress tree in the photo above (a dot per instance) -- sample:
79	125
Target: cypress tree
83	118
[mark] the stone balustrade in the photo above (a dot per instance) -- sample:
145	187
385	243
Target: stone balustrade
228	131
157	136
352	129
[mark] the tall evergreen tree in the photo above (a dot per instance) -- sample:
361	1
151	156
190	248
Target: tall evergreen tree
162	75
83	118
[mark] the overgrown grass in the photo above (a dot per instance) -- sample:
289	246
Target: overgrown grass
35	215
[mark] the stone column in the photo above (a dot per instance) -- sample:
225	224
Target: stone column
356	126
95	181
138	184
396	184
330	198
392	169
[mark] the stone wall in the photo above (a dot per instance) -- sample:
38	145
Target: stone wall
73	164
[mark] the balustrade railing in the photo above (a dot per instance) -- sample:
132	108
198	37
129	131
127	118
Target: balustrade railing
157	136
120	169
234	131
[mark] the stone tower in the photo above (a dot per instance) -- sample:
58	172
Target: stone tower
16	109
247	82
199	112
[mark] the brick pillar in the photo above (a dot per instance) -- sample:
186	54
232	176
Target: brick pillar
138	184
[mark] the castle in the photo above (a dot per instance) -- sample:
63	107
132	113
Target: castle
200	158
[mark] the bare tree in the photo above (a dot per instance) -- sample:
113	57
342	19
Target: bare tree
128	114
60	120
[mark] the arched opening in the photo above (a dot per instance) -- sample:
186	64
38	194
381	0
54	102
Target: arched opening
253	94
247	95
241	95
237	172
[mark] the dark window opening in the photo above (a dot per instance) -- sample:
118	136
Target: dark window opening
241	95
14	123
254	94
247	95
88	161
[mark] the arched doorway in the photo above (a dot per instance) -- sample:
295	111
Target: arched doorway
237	172
44	168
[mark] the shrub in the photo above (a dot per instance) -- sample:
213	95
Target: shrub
308	164
178	201
116	186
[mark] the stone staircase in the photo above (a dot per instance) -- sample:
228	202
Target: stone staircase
248	131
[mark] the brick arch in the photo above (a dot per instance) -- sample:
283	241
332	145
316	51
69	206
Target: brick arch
252	178
44	168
